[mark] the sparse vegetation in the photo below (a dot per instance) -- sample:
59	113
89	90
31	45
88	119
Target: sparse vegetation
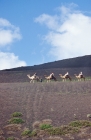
45	126
10	138
26	132
80	123
62	130
17	114
16	121
33	133
29	133
49	130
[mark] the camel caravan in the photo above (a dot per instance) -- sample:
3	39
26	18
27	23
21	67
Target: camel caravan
51	77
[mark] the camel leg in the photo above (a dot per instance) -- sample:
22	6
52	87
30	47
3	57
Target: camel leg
30	81
70	79
48	81
64	80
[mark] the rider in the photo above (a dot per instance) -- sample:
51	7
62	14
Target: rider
66	74
80	74
52	75
35	74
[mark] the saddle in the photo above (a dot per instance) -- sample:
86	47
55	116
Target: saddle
53	77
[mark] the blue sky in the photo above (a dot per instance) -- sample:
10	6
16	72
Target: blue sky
33	32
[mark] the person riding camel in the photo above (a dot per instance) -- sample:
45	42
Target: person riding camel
52	75
80	74
66	74
35	74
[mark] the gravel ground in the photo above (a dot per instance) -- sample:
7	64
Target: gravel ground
58	101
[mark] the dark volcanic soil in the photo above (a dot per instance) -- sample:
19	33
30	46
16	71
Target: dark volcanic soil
58	101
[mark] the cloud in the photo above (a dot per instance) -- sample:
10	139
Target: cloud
9	60
8	33
49	21
69	32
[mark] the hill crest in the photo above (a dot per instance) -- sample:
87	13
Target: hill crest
81	61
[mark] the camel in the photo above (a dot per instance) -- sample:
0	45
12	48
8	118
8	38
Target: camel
49	78
65	77
79	77
33	78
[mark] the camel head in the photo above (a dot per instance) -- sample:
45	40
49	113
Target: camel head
60	75
77	76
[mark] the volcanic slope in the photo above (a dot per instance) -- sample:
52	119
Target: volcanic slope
58	101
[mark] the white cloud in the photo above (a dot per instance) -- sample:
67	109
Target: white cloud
49	21
68	32
8	33
9	60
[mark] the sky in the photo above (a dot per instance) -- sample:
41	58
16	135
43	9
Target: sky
34	32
